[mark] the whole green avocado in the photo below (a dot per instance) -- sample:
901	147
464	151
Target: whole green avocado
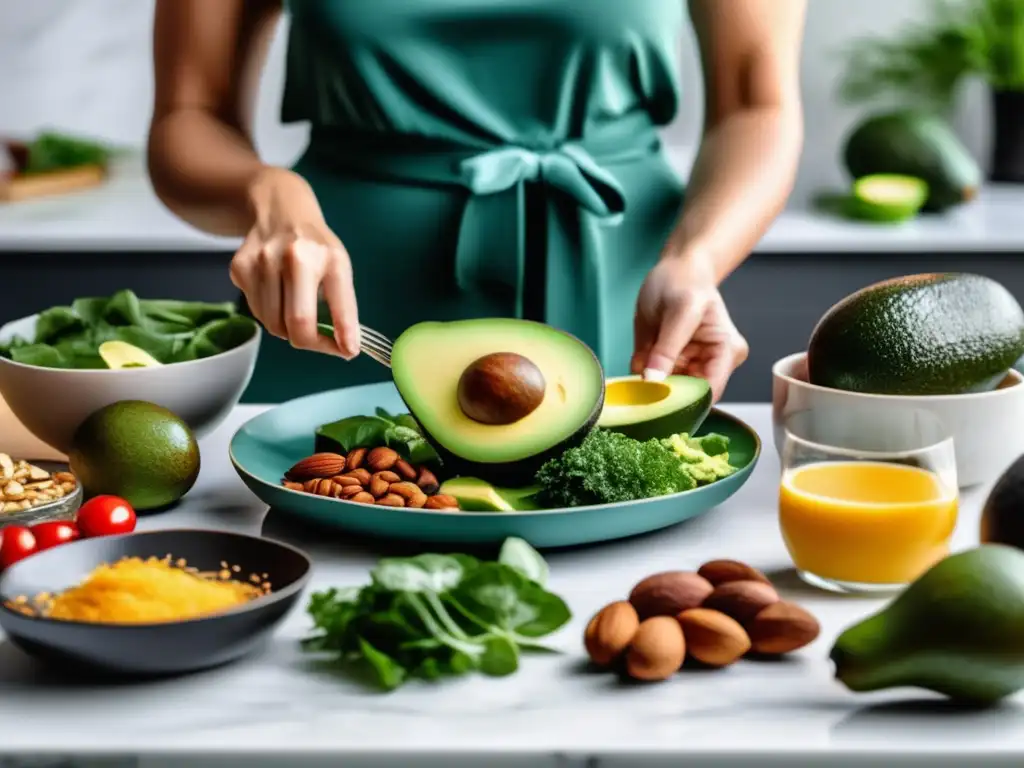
139	451
958	631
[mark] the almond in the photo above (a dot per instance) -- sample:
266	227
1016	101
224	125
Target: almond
319	486
411	492
381	458
742	600
391	500
378	486
387	476
405	469
713	638
292	486
723	571
610	632
658	649
362	475
669	593
363	498
348	491
427	481
355	458
346	480
781	628
317	465
441	501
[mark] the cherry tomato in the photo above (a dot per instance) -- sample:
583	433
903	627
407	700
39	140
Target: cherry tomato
53	534
105	516
18	543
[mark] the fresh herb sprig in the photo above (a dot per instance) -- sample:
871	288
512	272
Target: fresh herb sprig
433	616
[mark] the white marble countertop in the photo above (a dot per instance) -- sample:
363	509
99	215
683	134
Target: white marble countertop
125	215
552	712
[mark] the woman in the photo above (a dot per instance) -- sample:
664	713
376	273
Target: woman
473	158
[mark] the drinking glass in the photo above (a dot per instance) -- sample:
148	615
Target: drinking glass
868	498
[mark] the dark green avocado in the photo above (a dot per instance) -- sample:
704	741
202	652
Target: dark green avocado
919	144
931	334
497	398
1002	517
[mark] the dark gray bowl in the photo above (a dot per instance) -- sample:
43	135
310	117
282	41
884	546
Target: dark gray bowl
153	649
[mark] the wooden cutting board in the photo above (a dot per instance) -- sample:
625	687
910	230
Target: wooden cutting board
16	187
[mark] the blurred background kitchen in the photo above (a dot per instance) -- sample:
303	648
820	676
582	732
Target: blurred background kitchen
78	219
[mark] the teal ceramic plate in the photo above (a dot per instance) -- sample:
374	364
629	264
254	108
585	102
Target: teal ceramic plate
267	445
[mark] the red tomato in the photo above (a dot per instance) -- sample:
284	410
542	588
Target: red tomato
53	534
105	516
18	543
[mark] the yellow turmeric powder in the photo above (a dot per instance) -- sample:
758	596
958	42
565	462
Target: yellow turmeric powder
151	591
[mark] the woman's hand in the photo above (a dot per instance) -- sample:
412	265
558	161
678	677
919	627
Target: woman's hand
682	324
289	256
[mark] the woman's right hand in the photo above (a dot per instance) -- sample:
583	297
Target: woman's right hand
288	258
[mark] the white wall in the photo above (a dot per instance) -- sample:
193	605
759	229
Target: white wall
84	65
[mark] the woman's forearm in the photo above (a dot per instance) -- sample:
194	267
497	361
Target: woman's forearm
203	169
743	174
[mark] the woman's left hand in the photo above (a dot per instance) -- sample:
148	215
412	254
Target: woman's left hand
682	324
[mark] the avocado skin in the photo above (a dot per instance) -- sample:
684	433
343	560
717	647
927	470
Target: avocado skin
137	450
514	474
934	334
686	420
915	143
958	631
1002	517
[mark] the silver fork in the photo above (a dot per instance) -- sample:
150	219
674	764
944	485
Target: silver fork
373	344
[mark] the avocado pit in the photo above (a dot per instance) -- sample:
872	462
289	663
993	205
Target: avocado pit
500	388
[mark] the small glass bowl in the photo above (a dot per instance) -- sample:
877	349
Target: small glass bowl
63	508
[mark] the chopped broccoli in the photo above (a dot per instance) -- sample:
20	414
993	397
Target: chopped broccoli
609	467
705	458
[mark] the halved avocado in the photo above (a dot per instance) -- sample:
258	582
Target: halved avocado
476	495
438	366
887	197
644	409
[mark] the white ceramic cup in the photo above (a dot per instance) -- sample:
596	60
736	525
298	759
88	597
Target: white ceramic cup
987	427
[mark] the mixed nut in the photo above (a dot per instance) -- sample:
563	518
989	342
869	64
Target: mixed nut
716	616
378	476
24	486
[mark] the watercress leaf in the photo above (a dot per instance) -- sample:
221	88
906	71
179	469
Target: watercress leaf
41	355
56	323
504	597
389	673
518	554
422	573
461	663
500	657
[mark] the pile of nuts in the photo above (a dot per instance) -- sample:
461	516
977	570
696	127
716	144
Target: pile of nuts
24	486
377	476
715	617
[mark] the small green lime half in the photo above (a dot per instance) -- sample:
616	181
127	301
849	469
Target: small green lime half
887	197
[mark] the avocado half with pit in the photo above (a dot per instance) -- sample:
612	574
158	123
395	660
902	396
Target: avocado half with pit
497	398
655	409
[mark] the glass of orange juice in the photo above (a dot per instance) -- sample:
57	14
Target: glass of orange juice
868	497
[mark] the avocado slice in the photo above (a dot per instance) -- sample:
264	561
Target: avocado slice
655	409
930	334
887	197
430	362
915	143
476	495
121	354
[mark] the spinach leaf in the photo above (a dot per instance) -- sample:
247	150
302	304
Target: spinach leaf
170	331
382	429
433	616
517	554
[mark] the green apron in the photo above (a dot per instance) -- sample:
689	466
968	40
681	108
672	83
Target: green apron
484	158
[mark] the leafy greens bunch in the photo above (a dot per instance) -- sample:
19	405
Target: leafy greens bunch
171	331
400	432
433	616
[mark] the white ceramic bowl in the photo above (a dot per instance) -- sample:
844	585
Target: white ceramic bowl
987	427
51	402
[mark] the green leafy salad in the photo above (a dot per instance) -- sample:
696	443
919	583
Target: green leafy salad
170	331
433	616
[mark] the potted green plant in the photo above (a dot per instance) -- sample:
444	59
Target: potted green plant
926	62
